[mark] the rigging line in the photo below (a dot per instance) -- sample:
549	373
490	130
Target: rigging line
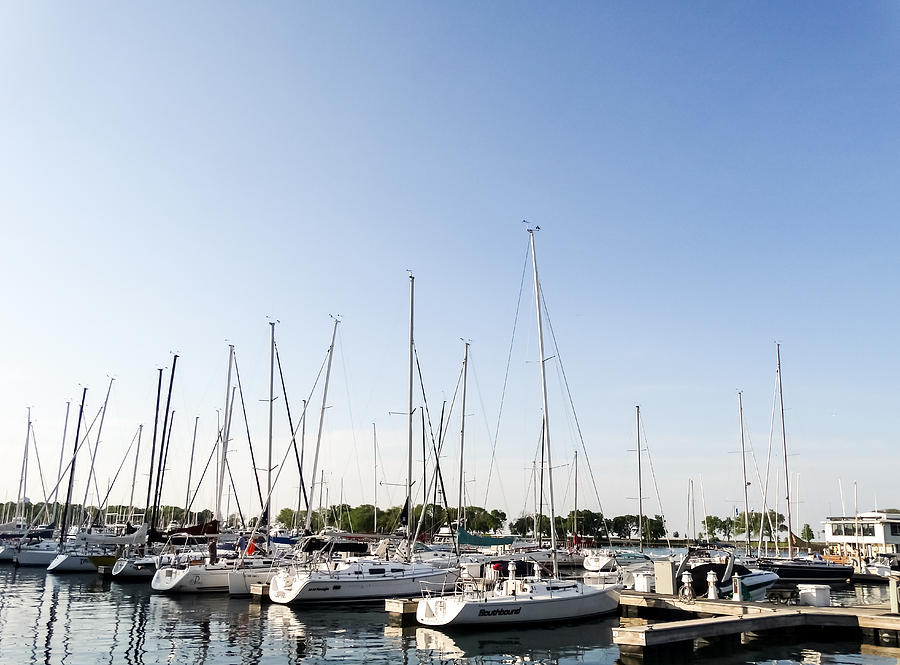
424	398
40	472
350	407
765	489
445	424
655	484
565	496
531	475
506	375
488	429
115	477
436	448
236	500
281	465
287	406
247	426
205	468
587	457
64	471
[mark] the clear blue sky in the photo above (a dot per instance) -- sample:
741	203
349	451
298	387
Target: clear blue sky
708	178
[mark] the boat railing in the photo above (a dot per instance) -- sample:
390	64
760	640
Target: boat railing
469	589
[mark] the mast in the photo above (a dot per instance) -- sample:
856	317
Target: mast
462	441
271	406
409	410
62	450
575	517
640	488
375	484
187	496
302	491
537	301
87	486
23	476
64	527
153	445
223	438
787	477
744	469
163	448
137	455
321	421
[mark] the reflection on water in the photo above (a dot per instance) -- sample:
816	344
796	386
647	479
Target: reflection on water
80	619
561	643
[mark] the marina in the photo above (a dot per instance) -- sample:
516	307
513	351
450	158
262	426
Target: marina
441	333
39	611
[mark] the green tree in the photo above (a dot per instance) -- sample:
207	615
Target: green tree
623	526
286	517
727	528
807	533
713	525
654	527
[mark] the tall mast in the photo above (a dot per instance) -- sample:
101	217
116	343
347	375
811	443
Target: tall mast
163	448
375	484
137	455
62	450
462	442
23	476
87	486
64	526
321	422
575	517
271	406
537	301
744	469
187	496
223	436
640	486
787	477
148	506
301	494
409	410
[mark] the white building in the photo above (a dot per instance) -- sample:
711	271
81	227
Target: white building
869	534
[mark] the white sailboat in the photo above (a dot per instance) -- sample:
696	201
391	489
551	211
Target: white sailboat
320	579
184	574
533	598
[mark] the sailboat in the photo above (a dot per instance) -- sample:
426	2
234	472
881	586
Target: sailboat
534	598
184	574
318	578
799	568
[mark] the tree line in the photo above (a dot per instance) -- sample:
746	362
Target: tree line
475	519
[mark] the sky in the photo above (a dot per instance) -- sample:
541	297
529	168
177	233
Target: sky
708	178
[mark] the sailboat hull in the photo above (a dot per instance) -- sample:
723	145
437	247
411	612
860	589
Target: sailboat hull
487	610
134	569
35	558
71	563
357	581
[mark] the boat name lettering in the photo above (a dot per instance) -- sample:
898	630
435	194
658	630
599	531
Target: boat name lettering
493	613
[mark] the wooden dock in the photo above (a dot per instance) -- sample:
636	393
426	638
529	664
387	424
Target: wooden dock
259	592
725	622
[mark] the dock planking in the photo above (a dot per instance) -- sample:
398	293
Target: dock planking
717	620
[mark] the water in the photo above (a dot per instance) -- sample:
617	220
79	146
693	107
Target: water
81	619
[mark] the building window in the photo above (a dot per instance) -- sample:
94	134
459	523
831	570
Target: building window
895	529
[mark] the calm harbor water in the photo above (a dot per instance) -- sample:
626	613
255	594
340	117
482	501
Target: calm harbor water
80	619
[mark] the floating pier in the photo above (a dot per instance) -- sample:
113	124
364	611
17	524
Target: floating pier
701	622
401	611
259	592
